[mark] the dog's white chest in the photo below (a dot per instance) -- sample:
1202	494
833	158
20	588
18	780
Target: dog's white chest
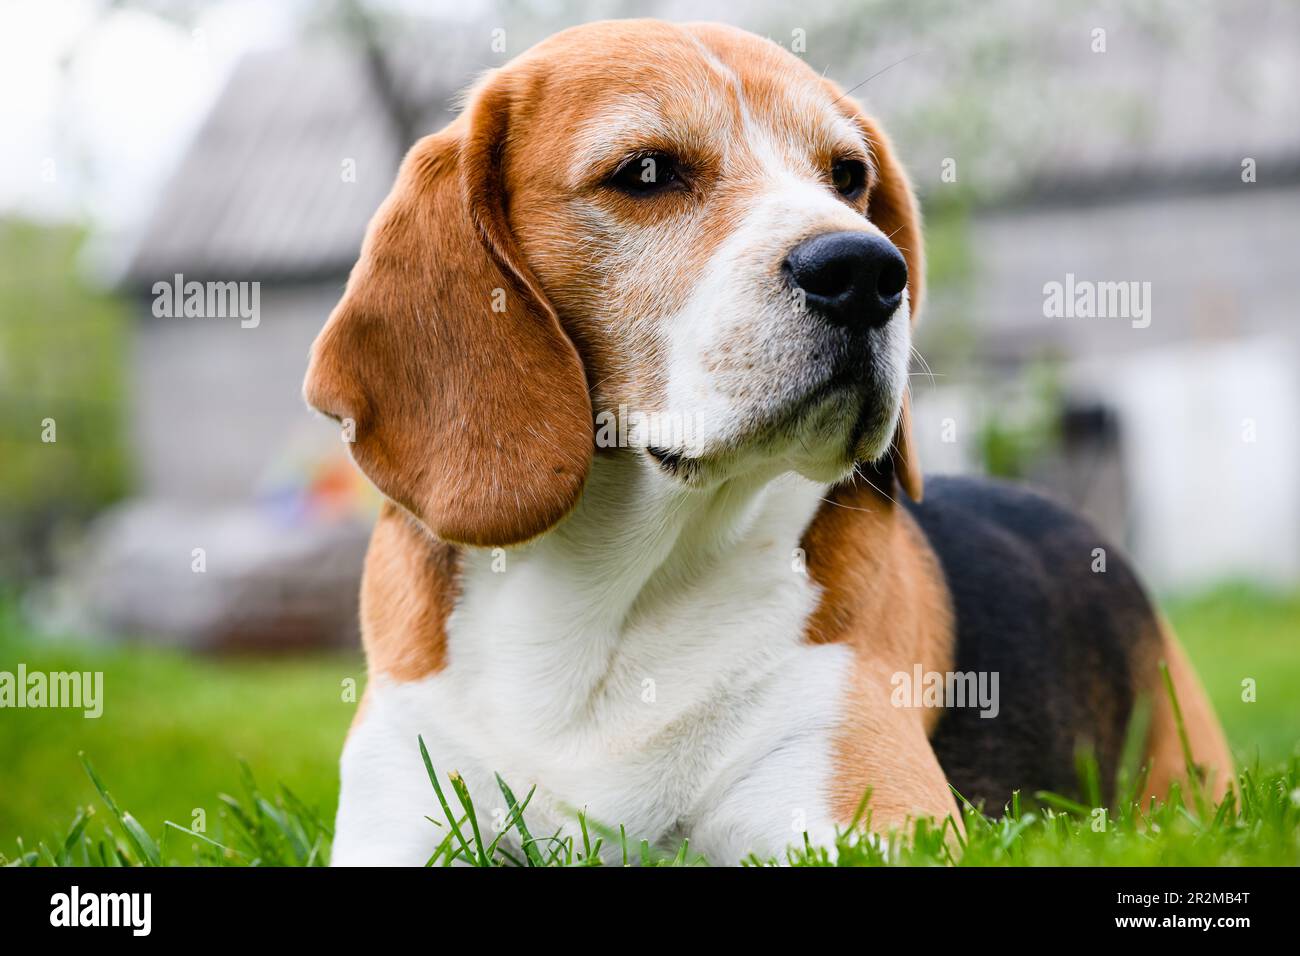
679	702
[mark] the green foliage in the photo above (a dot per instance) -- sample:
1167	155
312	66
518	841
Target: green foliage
62	356
949	258
62	360
1009	442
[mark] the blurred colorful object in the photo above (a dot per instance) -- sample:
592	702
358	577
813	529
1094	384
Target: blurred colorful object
317	485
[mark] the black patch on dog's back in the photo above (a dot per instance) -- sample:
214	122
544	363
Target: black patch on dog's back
1069	644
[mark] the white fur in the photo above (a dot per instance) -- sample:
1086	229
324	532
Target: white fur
546	682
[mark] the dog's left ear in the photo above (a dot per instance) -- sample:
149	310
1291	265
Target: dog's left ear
892	207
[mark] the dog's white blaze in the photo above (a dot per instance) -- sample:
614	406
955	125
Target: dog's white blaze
739	300
645	661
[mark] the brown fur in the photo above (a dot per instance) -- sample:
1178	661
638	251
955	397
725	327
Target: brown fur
407	592
1205	737
883	595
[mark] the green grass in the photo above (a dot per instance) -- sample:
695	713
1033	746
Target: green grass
1261	827
1234	633
172	734
176	729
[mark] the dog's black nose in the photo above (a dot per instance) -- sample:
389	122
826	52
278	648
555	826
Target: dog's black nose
854	279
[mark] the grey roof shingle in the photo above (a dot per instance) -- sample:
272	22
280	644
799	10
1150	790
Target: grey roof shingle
259	193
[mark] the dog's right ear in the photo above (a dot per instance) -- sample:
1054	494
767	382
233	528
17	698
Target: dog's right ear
892	206
463	398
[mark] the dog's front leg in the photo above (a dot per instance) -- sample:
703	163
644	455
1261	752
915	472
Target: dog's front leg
883	753
385	798
382	805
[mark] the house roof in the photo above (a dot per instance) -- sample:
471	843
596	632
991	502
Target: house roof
260	192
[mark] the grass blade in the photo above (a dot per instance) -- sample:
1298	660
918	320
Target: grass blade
530	850
140	840
467	804
442	800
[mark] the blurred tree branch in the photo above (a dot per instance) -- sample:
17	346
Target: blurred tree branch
363	27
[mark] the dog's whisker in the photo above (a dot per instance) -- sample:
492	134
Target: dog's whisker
858	86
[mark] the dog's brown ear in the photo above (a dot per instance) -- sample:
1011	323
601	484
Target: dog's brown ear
892	207
907	466
463	398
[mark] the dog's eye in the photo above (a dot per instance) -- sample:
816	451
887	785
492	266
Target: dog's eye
646	173
848	176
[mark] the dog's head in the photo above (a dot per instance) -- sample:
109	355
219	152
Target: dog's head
678	239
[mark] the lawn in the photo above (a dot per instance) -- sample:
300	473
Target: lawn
176	729
172	734
1233	634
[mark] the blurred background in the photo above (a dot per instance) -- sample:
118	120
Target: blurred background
172	515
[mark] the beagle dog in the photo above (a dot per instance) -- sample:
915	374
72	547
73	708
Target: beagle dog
626	351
